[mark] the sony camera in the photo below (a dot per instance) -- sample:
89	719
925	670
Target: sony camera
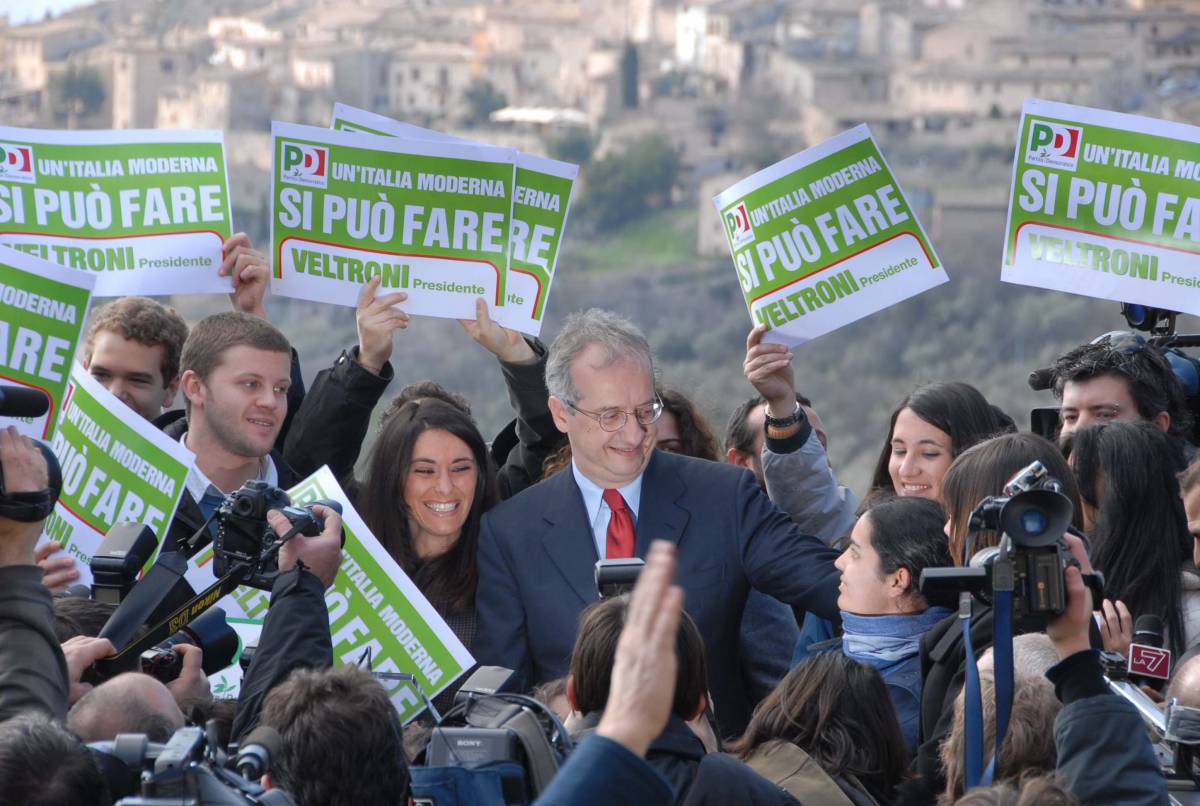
243	536
1032	518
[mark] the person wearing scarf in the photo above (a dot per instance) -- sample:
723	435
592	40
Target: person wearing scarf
884	614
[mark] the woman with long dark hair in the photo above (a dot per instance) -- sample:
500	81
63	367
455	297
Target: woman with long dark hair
980	471
929	428
1137	523
426	487
827	734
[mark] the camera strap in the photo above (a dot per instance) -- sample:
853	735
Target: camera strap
975	774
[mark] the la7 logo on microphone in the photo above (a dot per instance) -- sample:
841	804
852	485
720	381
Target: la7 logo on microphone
1149	661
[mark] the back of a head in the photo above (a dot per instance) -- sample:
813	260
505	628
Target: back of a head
145	321
617	337
42	764
1028	743
424	390
955	408
595	651
1185	682
838	711
1035	790
1140	537
75	615
1033	655
341	740
1151	381
129	703
984	469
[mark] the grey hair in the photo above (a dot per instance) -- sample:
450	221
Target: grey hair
619	337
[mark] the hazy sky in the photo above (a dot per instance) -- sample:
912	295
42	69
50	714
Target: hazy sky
19	11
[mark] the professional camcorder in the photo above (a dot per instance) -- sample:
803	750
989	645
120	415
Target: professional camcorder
1032	518
29	507
189	770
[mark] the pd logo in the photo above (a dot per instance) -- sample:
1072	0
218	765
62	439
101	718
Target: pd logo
16	163
737	223
304	165
1053	145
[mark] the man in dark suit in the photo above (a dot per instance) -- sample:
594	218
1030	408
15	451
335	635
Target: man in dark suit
538	550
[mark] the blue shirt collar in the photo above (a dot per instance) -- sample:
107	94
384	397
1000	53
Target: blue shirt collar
593	495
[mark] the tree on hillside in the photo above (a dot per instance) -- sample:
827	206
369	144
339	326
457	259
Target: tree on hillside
629	76
621	187
78	92
573	145
482	100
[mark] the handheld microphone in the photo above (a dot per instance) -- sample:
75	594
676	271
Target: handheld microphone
254	754
1147	657
19	401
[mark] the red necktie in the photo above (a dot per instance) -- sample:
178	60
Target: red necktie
619	542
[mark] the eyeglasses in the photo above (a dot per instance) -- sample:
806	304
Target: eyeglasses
615	419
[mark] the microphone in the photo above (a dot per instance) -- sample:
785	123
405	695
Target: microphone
18	401
254	754
1147	658
1041	379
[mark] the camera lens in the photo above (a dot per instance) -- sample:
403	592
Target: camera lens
1033	521
243	506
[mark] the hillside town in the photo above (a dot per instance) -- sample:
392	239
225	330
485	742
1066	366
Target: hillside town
731	84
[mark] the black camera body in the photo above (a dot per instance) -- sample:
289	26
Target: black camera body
209	631
1032	518
185	770
243	533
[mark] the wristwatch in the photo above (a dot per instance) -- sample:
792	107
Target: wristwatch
785	422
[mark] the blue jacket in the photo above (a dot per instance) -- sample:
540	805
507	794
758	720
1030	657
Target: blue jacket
537	558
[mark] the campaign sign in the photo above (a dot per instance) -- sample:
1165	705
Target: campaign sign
1105	205
141	211
825	238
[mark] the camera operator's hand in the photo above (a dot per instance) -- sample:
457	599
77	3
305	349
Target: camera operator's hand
192	683
507	345
25	471
81	652
1116	626
768	367
377	320
1069	632
57	572
321	554
643	675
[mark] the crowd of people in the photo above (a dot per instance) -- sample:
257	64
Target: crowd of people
778	647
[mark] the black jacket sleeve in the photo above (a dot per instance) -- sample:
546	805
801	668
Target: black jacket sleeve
295	635
332	423
295	398
1104	754
537	435
33	671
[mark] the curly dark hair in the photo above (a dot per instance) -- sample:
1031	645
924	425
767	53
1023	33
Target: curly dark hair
1152	383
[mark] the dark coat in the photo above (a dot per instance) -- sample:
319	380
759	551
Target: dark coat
33	671
537	556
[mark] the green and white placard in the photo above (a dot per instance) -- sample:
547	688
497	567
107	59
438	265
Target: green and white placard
431	218
1105	205
825	238
116	468
539	216
143	211
374	608
42	310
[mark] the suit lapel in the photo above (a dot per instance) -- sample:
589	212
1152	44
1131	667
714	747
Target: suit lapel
568	535
660	517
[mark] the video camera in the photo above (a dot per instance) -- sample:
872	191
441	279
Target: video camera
189	770
1032	517
29	507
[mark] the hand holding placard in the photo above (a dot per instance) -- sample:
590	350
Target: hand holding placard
248	268
768	367
507	345
377	319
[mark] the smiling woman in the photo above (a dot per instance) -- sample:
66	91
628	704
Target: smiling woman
929	428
